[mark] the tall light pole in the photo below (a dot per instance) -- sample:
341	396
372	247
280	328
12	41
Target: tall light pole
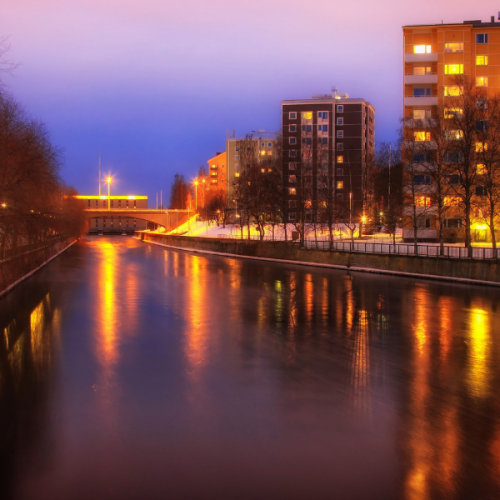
196	195
108	182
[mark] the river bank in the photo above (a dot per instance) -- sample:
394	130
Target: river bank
481	272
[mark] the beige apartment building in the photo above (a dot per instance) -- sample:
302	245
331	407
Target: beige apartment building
434	55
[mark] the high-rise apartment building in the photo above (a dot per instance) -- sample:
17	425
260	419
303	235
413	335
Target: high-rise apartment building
328	146
435	57
217	173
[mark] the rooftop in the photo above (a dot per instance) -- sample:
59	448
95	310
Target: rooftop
475	23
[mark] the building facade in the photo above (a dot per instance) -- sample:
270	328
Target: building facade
436	57
115	224
217	174
328	150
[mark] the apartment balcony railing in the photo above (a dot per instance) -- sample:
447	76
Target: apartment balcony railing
420	145
430	78
429	210
412	123
421	189
413	58
421	100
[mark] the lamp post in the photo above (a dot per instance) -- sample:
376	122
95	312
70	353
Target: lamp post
196	195
108	181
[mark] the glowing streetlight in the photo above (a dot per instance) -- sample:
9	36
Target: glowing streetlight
108	182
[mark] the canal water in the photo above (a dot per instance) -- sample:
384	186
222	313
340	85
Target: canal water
128	370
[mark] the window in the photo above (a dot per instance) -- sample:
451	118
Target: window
323	128
104	203
453	69
481	81
481	126
292	115
307	115
292	179
119	203
423	222
453	157
292	204
340	108
340	134
481	60
480	169
480	191
292	154
126	203
237	174
454	47
237	157
340	159
340	146
135	204
453	112
96	204
421	179
262	144
323	115
293	128
292	140
481	103
88	203
291	216
269	153
340	121
481	147
307	204
421	92
213	174
421	157
97	223
453	135
324	140
421	136
453	223
340	172
291	166
340	196
422	201
307	140
481	37
421	49
340	185
421	114
292	191
422	70
453	91
452	180
213	181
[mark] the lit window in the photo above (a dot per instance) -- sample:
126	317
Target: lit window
453	90
214	181
340	159
213	174
307	204
269	153
292	179
481	37
422	70
454	47
481	147
291	166
263	153
237	174
340	108
307	115
263	170
340	121
340	184
292	115
340	134
422	201
293	128
453	69
292	190
421	49
481	81
453	135
453	112
421	136
481	60
480	169
451	201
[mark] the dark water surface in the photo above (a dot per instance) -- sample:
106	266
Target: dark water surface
131	371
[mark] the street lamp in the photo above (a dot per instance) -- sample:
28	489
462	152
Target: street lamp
196	195
108	181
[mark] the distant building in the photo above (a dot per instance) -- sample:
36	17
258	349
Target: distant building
116	224
330	136
217	173
235	156
434	54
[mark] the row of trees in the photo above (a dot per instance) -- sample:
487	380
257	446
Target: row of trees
35	205
452	164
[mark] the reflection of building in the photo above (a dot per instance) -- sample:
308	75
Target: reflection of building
435	56
127	222
263	144
217	173
328	137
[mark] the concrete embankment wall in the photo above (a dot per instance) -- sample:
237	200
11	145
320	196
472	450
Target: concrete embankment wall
477	271
16	269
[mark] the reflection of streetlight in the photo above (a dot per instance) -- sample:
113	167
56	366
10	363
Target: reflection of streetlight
196	195
108	181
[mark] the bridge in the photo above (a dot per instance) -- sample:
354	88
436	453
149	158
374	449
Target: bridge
169	219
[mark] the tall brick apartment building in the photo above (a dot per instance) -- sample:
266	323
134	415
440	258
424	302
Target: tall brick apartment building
328	137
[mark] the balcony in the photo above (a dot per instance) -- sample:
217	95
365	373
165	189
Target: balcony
415	58
411	123
420	145
421	101
408	210
421	189
419	79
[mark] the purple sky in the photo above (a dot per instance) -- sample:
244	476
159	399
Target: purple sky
155	84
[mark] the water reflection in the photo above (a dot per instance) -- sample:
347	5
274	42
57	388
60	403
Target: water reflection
207	376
